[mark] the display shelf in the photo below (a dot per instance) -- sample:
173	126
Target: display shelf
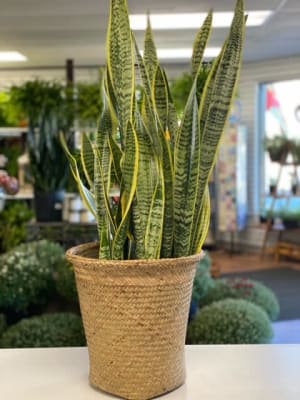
12	132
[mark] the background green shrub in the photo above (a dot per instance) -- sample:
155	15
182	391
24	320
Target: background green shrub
2	324
65	281
26	274
230	321
247	289
12	224
202	279
48	330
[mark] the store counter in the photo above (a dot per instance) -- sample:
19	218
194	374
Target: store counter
231	372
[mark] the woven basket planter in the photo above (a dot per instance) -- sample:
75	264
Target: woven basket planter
135	316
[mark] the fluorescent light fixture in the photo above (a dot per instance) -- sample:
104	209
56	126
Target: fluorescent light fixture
185	53
7	56
193	20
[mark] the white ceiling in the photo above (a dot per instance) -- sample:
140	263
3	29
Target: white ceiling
49	32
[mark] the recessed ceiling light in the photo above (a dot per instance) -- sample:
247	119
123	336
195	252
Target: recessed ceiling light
194	20
7	56
185	53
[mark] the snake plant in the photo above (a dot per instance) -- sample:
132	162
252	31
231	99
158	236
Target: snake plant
162	166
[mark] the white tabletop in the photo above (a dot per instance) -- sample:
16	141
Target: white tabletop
247	372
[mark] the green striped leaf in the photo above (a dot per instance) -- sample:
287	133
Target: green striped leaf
204	222
220	99
172	120
187	161
116	156
154	230
87	158
86	195
128	188
103	210
146	183
160	97
150	56
200	44
120	60
142	69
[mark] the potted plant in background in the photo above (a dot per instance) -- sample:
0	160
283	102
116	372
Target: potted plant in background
135	284
278	148
49	111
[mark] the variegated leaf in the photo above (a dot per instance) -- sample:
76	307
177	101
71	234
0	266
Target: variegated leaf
160	97
87	158
220	99
200	44
128	189
154	230
150	56
146	183
120	60
187	162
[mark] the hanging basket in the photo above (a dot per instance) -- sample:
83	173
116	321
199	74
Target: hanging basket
135	317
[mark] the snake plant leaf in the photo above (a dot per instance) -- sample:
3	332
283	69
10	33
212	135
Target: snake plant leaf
187	163
204	222
142	69
146	184
160	97
220	99
150	55
120	61
87	158
154	231
87	196
129	167
200	43
172	120
102	211
116	156
168	175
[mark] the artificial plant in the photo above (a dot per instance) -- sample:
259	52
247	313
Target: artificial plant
162	167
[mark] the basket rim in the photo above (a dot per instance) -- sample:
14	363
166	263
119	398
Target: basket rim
75	254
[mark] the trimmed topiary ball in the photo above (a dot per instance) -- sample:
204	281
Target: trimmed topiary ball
230	322
48	330
2	324
26	274
241	288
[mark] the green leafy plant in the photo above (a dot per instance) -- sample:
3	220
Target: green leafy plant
88	103
48	330
12	152
26	274
9	115
49	108
230	321
12	224
162	168
241	288
278	148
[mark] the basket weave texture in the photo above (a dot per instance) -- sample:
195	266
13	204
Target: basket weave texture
135	316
